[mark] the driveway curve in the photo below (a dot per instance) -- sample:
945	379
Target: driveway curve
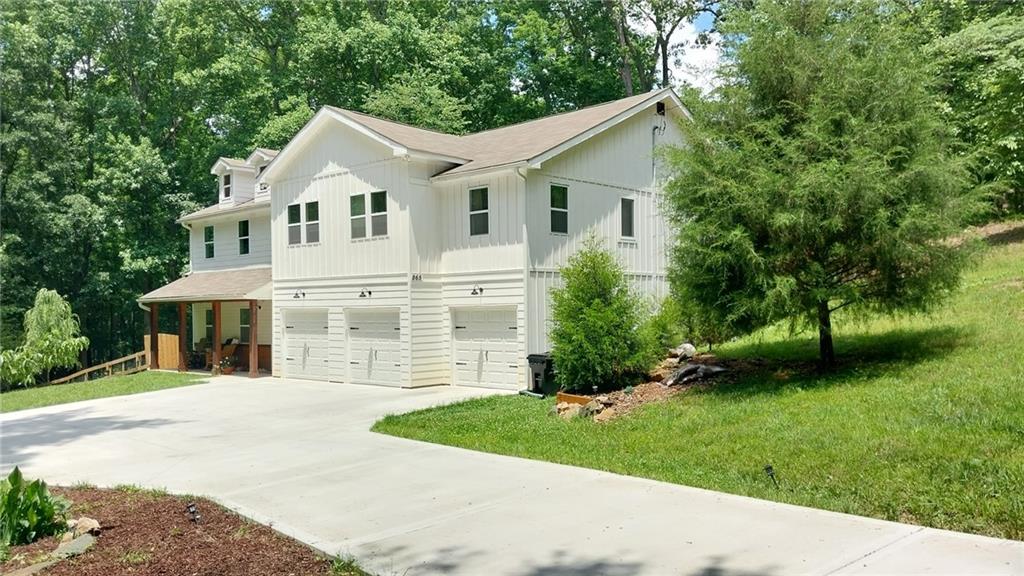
299	455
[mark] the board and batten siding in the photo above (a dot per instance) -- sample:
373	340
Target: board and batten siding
618	163
225	242
329	170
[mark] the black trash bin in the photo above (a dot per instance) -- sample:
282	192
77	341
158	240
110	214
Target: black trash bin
540	368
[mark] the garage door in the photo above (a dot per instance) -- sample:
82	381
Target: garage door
485	348
305	341
374	347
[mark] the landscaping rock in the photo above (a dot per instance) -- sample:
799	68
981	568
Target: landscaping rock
606	401
86	525
605	415
684	350
591	408
664	369
692	372
571	411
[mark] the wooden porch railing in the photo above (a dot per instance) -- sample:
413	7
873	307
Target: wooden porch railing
126	365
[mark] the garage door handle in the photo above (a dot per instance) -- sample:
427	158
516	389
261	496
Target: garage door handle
513	366
460	363
289	358
487	355
353	362
460	327
398	363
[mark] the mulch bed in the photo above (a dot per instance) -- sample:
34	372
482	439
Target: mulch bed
149	533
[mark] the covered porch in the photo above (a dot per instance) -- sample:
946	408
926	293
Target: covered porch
230	321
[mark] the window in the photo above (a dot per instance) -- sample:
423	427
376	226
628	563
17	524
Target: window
226	185
312	222
626	208
243	236
559	209
357	211
294	224
243	325
208	240
209	325
378	217
379	213
478	215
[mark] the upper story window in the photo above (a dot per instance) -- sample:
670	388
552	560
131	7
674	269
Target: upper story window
243	237
559	209
373	224
628	222
478	214
312	221
244	325
295	224
208	240
225	186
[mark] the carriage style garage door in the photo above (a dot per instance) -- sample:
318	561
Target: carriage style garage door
305	344
374	347
485	347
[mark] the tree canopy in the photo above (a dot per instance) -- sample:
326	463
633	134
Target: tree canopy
820	176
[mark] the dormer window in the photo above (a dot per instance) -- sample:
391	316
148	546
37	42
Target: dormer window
226	185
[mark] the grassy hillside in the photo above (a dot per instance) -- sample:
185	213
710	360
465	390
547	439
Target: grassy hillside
923	423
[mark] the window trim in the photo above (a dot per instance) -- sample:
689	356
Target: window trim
369	230
225	185
247	325
208	245
306	221
486	210
290	224
552	209
632	218
371	214
243	238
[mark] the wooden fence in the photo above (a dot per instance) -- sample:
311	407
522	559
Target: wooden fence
168	350
126	365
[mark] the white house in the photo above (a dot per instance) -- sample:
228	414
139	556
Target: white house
372	252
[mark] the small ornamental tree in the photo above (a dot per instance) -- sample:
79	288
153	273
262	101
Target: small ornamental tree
52	340
596	320
818	176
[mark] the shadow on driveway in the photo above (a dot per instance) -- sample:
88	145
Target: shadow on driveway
25	437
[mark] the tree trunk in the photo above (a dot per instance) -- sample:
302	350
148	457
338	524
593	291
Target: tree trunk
625	67
826	352
664	62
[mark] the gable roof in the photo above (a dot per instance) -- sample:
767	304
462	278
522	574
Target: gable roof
529	142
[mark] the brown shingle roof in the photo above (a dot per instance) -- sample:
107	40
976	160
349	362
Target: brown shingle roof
220	210
501	146
239	284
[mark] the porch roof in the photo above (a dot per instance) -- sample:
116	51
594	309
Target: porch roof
242	284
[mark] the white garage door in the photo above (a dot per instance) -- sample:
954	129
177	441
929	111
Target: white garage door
374	347
485	348
305	342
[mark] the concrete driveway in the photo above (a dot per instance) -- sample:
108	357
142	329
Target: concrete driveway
299	455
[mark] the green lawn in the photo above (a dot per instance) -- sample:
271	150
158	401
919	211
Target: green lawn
23	399
924	423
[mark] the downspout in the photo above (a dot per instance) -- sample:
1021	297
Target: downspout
521	172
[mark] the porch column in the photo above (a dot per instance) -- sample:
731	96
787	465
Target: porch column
154	337
254	357
182	335
216	336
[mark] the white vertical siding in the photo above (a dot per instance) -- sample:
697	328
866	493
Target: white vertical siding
502	247
225	242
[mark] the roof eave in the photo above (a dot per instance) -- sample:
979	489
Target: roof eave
447	177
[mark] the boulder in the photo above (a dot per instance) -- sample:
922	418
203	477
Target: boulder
691	372
684	350
591	408
605	415
664	369
86	525
571	411
604	400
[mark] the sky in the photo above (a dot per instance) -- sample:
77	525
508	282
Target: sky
698	63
